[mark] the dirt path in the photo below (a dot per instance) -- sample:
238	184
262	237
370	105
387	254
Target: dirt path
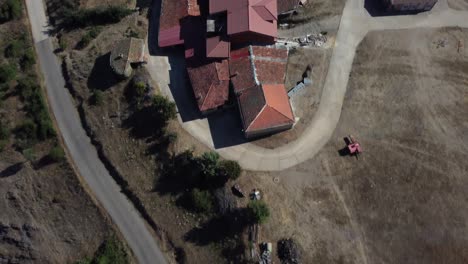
355	24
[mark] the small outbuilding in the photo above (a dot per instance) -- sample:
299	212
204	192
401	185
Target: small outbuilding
409	5
127	53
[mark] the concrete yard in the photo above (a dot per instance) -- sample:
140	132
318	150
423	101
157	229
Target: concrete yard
404	200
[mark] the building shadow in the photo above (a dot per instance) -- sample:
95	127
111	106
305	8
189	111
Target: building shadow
377	8
102	77
226	128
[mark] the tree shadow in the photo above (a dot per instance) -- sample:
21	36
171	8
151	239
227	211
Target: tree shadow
11	170
218	228
102	77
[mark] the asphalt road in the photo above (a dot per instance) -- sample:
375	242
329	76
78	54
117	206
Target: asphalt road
83	153
355	23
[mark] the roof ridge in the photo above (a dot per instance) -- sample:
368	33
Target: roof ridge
259	113
206	96
274	108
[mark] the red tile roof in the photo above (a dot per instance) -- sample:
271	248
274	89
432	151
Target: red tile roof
172	12
210	84
265	106
257	64
259	16
258	79
217	48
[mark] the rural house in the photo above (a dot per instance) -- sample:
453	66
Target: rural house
214	35
258	75
127	53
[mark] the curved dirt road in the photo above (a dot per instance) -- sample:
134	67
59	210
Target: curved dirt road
355	23
83	153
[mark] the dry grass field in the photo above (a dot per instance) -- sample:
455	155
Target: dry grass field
404	200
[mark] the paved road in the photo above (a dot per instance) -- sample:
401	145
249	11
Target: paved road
84	155
355	24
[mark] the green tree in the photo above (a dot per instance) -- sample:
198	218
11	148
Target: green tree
15	49
164	109
202	200
229	169
93	16
11	9
258	211
208	164
56	154
28	59
7	72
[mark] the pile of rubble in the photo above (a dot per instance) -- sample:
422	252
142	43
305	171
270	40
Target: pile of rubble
316	40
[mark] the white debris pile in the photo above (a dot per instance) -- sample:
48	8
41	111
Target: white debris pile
316	40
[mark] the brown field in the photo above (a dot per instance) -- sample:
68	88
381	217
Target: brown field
404	200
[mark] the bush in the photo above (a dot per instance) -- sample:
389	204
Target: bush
3	144
208	164
10	10
29	154
229	169
164	109
88	37
4	131
110	252
7	72
15	49
288	251
92	17
28	59
62	43
202	201
98	98
27	131
56	154
258	211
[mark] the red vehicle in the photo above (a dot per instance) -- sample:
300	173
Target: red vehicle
353	146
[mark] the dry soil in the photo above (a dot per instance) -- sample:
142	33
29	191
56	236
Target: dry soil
404	200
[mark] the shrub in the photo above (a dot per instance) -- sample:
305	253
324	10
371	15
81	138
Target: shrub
208	164
62	43
56	154
7	72
3	144
94	16
98	97
202	201
4	131
28	59
15	49
27	131
10	10
164	109
29	154
229	169
258	211
88	37
288	251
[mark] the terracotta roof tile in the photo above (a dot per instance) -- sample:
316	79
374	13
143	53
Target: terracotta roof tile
210	84
258	80
172	12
